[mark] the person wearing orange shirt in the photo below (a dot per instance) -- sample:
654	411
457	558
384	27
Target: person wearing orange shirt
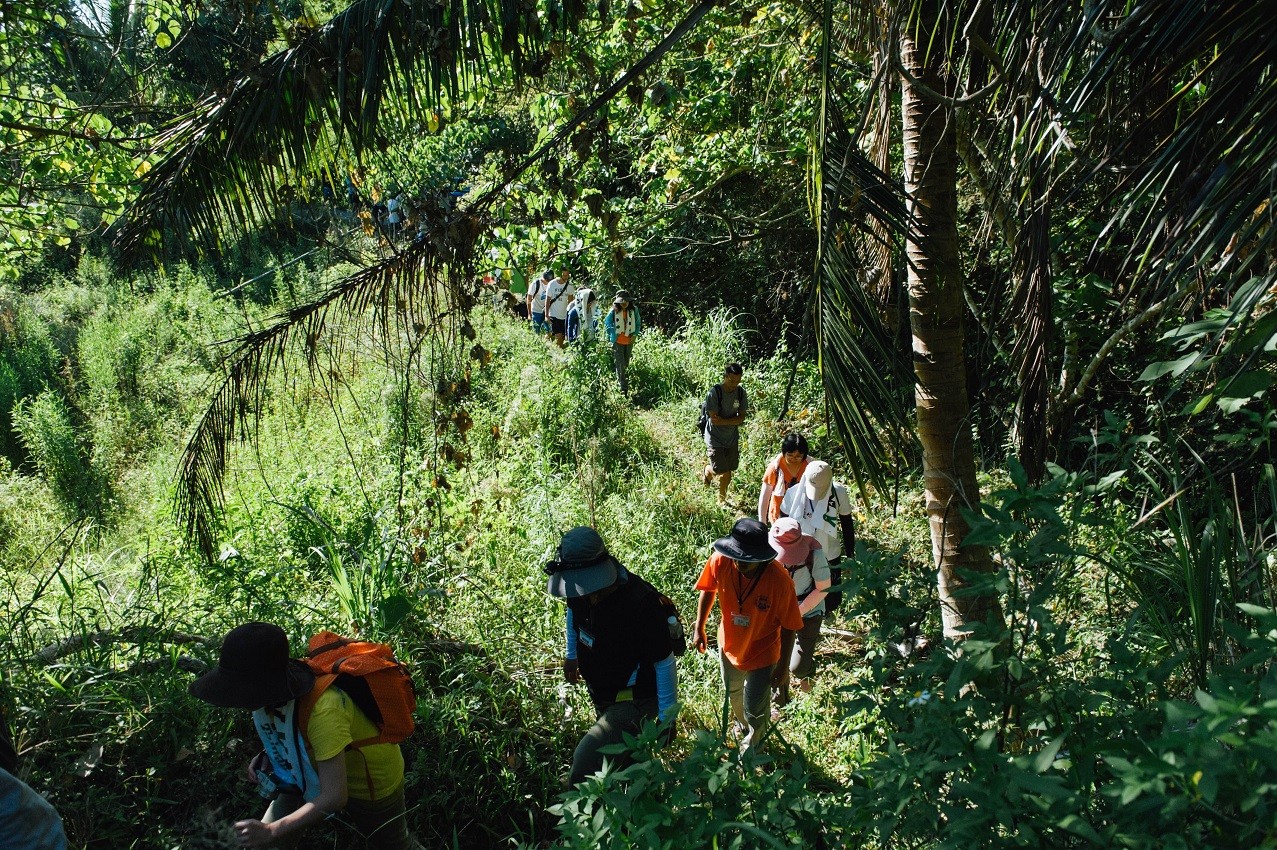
782	473
756	600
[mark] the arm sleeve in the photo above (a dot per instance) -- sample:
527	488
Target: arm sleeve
571	638
845	521
666	686
638	321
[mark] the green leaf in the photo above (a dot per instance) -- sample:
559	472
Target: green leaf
163	40
1173	368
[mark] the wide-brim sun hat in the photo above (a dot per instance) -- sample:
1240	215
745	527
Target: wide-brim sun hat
817	478
622	297
748	543
254	670
792	547
583	565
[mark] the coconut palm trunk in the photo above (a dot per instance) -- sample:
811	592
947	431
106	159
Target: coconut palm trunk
936	311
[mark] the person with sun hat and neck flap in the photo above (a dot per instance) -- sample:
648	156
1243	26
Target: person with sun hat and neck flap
756	599
310	773
619	641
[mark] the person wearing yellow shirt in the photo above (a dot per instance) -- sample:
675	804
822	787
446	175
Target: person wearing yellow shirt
308	774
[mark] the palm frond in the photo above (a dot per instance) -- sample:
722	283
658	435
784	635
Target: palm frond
238	157
866	381
426	289
1214	134
423	288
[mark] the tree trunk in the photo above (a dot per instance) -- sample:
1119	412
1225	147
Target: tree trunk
936	311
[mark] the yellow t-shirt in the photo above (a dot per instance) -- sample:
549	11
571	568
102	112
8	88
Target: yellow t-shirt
335	723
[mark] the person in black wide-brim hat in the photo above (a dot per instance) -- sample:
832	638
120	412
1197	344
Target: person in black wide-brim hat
756	599
619	641
308	773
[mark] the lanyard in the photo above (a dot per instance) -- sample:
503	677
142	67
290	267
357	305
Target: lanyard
741	600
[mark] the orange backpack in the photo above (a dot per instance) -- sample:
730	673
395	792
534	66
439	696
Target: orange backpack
371	676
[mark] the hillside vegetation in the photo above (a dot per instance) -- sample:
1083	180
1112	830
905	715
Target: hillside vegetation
1083	723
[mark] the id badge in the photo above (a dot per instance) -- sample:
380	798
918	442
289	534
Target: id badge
740	620
586	638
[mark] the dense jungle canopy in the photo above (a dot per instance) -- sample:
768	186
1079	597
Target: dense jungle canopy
1008	265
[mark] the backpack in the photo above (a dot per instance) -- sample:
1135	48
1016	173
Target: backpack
373	679
702	424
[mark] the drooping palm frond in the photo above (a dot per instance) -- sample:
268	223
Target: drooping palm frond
238	157
421	290
424	288
1194	190
866	381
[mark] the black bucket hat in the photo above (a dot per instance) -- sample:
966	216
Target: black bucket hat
254	670
583	566
748	543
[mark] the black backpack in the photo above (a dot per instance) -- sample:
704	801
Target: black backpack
702	423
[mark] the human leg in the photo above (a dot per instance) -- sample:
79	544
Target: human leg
758	705
613	722
733	688
26	818
383	823
621	358
281	807
780	673
802	659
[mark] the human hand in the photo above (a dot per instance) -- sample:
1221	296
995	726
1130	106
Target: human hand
255	764
702	643
253	833
571	670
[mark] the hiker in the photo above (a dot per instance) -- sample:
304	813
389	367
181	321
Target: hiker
309	773
558	294
725	408
27	820
756	600
622	638
583	315
782	472
623	324
536	299
801	556
822	507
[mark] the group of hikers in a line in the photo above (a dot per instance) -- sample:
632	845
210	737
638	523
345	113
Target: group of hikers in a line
325	723
558	307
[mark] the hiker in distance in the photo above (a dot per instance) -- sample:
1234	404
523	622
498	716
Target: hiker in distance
622	639
559	293
623	325
782	472
756	600
311	767
801	556
724	409
536	299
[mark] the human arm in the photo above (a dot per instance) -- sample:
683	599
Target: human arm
609	325
770	478
332	798
703	604
666	687
846	523
571	669
820	583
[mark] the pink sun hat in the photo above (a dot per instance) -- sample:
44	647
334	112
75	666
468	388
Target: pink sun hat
791	545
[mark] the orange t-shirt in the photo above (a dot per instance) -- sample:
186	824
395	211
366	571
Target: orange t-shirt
772	479
753	611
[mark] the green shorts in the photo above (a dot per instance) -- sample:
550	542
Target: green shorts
724	459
